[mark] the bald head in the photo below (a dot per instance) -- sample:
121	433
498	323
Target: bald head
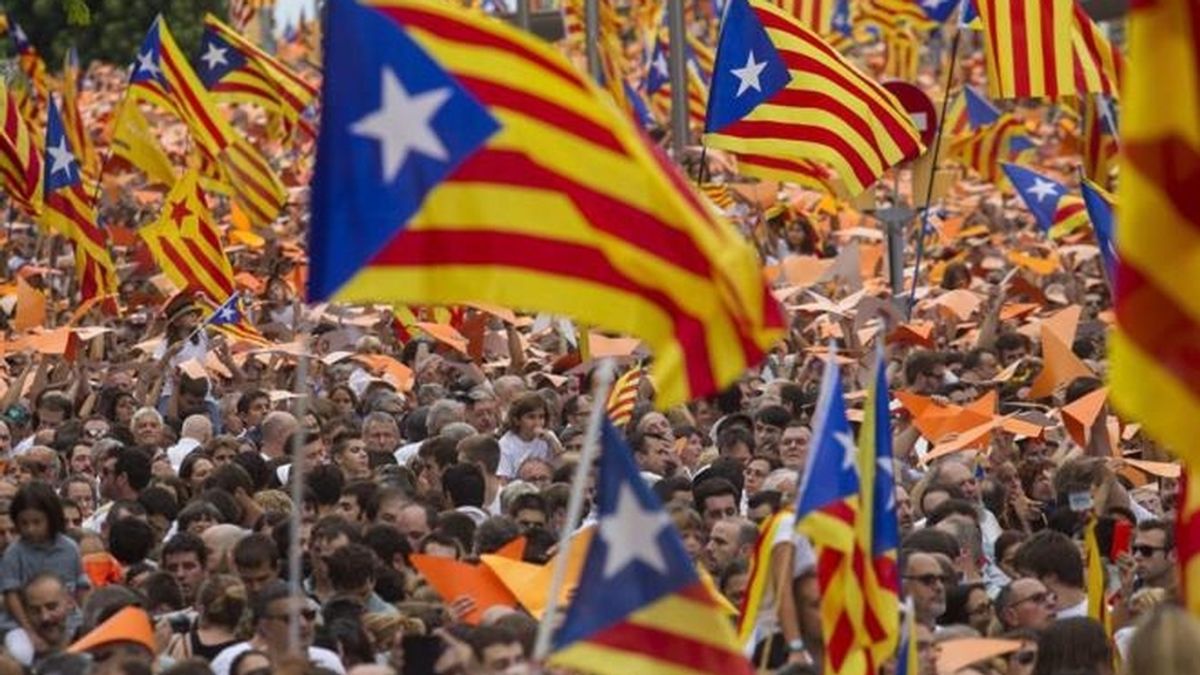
198	428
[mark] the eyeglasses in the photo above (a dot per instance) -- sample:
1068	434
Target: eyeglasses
1146	551
928	579
1041	598
1025	657
985	608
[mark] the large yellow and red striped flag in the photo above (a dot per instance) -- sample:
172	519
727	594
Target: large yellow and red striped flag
802	172
186	244
1098	65
1027	44
462	159
162	76
30	63
70	209
20	156
1099	140
780	91
72	117
1154	371
1187	538
815	15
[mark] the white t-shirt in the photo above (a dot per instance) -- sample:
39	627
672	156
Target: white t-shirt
1080	610
178	452
514	450
406	452
321	657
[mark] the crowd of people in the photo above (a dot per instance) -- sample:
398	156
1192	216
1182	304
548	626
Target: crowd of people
146	506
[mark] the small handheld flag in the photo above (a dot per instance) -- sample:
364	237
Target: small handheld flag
1056	211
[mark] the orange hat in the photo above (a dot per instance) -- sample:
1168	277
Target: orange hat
131	624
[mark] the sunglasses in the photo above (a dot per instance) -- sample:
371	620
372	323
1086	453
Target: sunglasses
1146	550
308	614
928	579
1041	598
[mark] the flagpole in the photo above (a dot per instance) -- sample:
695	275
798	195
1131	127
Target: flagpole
937	146
523	14
591	37
108	150
591	446
296	474
678	72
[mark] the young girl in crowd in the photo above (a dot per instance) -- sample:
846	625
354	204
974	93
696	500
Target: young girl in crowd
40	547
527	435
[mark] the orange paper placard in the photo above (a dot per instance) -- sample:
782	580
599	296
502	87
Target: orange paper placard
31	306
453	579
445	334
531	583
1080	414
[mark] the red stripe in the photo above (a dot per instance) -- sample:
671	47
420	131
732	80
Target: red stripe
1065	212
993	44
184	267
809	132
261	58
611	216
210	266
1162	329
416	248
816	100
661	644
85	224
1092	52
1172	164
1050	62
234	87
244	186
179	84
531	104
453	29
1023	52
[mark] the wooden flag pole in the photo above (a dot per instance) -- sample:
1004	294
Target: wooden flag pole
591	40
296	475
591	448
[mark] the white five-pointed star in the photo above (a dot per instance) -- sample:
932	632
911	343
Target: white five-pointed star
931	4
60	156
403	124
1042	189
660	66
146	64
227	314
631	533
748	75
19	36
847	443
214	55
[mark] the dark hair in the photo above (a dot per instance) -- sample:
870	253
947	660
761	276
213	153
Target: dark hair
464	485
130	540
162	590
492	534
350	641
527	501
237	660
1009	341
1049	552
1068	644
325	482
440	450
223	502
349	566
185	542
930	540
136	464
1161	526
457	526
487	636
273	590
230	477
713	487
255	550
523	405
366	494
773	415
247	399
387	541
159	501
38	496
193	512
667	487
258	471
724	467
772	498
951	507
919	363
730	436
222	598
1007	540
957	597
330	527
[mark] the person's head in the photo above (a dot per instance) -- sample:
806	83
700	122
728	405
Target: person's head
735	442
358	501
415	521
221	601
52	409
729	539
769	423
1166	642
954	475
652	452
147	427
1025	603
130	539
969	605
37	513
529	511
793	446
925	583
527	415
715	498
1154	553
197	517
127	475
272	608
185	557
442	413
47	604
1006	548
380	433
277	427
349	453
1011	347
1053	558
352	571
252	407
250	662
536	471
256	561
496	649
482	410
924	372
481	450
463	485
1071	644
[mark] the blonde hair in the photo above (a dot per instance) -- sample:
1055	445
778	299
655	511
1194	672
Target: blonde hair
1165	642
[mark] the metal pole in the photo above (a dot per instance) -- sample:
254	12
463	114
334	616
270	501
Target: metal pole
523	14
591	37
266	24
591	446
295	589
677	68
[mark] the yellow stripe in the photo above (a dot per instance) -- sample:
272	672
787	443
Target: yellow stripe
796	149
590	658
702	622
1146	391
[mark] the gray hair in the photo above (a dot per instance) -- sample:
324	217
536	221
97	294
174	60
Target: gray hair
442	413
